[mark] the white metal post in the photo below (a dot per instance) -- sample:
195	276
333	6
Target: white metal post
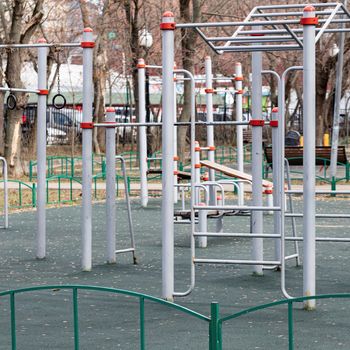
202	227
110	188
257	216
210	128
87	126
276	166
239	128
176	157
197	165
41	152
6	204
141	67
219	221
167	212
309	271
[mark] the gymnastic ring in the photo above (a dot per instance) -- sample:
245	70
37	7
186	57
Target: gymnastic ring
11	101
59	105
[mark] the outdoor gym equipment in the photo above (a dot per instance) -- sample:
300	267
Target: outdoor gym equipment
141	66
42	92
285	35
4	175
87	126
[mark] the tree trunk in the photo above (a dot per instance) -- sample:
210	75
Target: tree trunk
188	50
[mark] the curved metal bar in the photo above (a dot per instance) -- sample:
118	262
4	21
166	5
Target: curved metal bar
127	198
193	137
282	121
4	174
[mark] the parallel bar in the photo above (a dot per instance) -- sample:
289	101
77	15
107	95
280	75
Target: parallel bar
295	30
290	6
240	262
30	91
258	48
127	250
121	125
277	14
243	39
235	207
31	46
320	191
339	216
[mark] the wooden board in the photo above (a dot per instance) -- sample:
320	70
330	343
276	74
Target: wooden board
232	172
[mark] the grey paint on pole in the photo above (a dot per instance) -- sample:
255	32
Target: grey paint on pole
167	209
309	83
239	130
176	189
41	154
110	189
257	216
337	98
6	204
210	128
86	212
142	132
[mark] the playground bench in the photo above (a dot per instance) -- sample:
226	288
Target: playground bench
294	155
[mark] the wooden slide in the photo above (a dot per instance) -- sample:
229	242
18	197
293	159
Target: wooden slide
232	172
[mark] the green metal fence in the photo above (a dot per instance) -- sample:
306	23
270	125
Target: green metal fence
75	307
288	302
214	322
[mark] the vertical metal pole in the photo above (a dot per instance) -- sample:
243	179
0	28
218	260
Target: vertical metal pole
239	128
41	153
337	98
202	226
219	221
176	158
6	204
210	128
142	132
257	216
86	213
276	172
110	188
309	271
167	26
197	165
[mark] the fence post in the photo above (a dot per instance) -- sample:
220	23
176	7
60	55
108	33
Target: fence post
214	329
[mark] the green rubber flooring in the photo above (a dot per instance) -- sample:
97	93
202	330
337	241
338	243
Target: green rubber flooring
106	321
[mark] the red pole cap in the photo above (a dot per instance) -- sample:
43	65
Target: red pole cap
168	14
309	8
275	110
88	30
141	63
110	109
42	40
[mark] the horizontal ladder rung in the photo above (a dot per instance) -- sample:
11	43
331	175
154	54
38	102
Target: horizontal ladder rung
236	207
240	262
120	251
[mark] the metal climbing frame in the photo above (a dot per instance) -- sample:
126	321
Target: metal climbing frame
42	92
266	28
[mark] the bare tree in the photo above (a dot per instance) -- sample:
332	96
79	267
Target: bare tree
21	30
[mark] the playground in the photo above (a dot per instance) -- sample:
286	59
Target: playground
44	318
247	250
